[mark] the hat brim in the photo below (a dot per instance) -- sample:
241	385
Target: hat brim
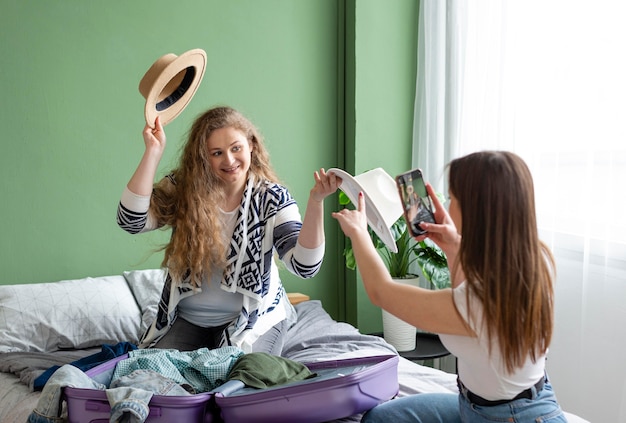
351	187
167	101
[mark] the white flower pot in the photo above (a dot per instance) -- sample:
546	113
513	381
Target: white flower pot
397	332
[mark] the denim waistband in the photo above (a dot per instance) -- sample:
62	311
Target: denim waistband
478	400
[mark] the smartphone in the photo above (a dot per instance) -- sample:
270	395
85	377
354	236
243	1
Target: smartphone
416	203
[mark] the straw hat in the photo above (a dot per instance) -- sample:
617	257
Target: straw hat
170	83
382	203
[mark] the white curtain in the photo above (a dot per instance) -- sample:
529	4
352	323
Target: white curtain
546	79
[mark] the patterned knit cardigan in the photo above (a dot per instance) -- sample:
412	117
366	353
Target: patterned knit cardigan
268	220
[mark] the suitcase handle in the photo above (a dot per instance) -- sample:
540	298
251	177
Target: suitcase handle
155	412
103	406
92	405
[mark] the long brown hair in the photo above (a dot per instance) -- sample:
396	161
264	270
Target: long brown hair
188	201
505	263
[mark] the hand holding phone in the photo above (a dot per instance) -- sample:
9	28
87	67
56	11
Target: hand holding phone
416	203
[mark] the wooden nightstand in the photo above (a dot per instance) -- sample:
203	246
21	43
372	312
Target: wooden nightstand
296	297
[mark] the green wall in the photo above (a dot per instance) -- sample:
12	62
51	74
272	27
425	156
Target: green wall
328	82
383	55
72	117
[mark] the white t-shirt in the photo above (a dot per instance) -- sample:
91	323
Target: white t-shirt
213	306
484	374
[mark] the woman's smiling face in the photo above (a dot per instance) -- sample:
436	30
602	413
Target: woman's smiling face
229	152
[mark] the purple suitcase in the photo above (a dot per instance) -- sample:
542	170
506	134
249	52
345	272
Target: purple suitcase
341	388
92	405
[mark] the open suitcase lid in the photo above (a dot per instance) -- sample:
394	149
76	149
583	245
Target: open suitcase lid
341	388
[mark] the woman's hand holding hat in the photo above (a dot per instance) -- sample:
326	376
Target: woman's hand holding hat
154	138
325	185
353	222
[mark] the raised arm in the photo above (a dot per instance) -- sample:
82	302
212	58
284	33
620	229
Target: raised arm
431	310
132	210
143	179
312	232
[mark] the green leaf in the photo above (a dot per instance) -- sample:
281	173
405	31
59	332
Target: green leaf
434	264
343	199
349	255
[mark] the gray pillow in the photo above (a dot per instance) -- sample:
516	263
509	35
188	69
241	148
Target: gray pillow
80	313
146	286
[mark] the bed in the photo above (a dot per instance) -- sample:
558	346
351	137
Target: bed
42	325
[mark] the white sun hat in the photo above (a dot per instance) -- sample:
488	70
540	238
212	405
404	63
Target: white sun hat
382	202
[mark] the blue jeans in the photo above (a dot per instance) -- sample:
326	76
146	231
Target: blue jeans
130	395
420	408
49	405
452	408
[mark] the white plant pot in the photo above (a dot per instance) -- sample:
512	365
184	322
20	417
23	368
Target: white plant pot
397	332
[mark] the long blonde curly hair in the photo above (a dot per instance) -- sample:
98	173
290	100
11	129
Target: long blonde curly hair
188	200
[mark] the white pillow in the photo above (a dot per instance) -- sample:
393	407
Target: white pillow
76	314
146	286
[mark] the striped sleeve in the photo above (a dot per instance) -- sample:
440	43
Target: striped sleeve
301	261
307	262
132	213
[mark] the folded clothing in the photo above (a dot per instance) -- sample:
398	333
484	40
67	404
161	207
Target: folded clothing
262	370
